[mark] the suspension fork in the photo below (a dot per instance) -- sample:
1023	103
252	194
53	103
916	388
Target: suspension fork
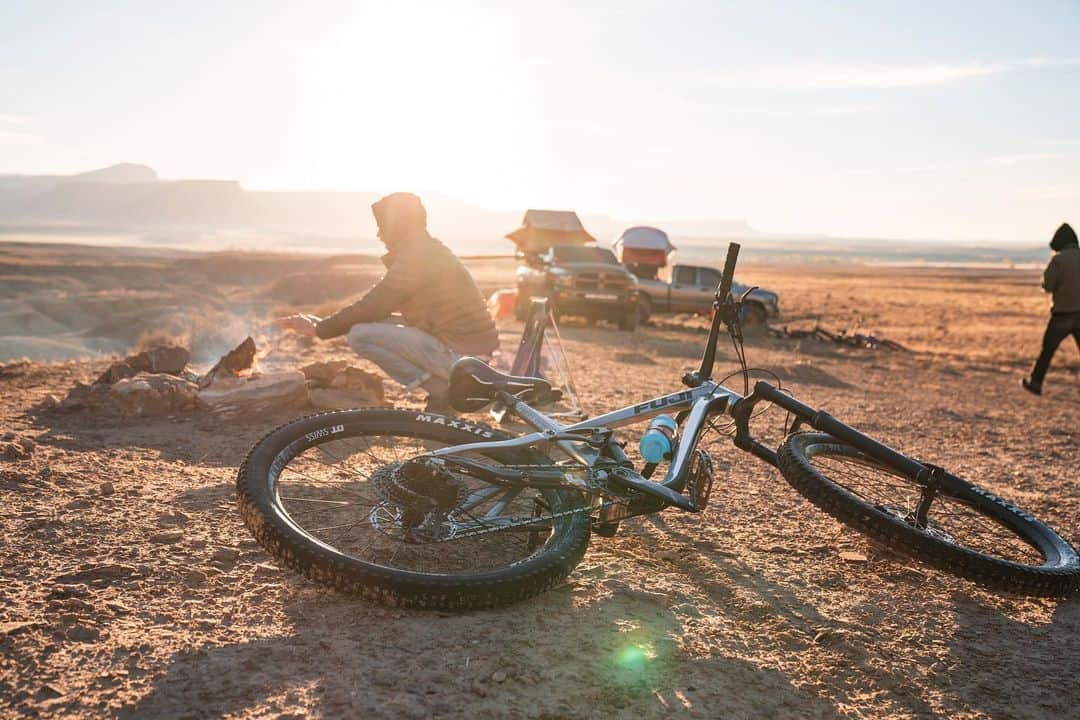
819	420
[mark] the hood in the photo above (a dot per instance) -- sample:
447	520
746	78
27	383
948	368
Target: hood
1065	237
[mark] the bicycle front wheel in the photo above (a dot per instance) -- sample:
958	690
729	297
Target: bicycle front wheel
956	526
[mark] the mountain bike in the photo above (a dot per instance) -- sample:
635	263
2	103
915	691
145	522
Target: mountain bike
417	509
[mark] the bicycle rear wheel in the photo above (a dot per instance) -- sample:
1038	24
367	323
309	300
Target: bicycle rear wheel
325	496
957	527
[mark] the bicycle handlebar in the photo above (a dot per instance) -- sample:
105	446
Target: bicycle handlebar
704	372
729	272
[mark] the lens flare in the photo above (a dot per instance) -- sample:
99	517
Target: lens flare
633	657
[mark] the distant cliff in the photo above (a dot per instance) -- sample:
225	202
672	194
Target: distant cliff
133	197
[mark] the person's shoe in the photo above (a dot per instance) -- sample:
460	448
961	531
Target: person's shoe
1031	387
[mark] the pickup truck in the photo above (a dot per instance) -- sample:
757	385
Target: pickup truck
581	280
692	289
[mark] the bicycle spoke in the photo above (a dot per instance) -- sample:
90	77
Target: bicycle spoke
932	510
332	491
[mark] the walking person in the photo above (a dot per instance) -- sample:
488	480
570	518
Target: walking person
423	315
1062	279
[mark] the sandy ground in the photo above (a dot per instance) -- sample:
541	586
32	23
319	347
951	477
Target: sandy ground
131	588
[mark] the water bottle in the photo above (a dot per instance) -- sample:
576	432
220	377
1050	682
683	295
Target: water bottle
659	439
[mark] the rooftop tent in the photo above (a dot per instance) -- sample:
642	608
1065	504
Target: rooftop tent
643	246
543	228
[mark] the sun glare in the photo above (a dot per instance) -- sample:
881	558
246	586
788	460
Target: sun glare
403	98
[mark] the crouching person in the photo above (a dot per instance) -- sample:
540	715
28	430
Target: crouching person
424	313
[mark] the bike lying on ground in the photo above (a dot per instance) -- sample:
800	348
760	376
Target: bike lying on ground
416	509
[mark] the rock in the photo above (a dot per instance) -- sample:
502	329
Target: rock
69	590
14	627
167	537
254	395
83	397
150	394
195	578
850	556
688	609
169	359
174	518
353	378
498	676
118	607
479	688
266	571
231	364
336	385
74	603
16	447
12	451
226	554
83	633
49	402
106	489
321	374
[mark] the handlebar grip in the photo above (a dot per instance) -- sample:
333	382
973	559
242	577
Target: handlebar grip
729	271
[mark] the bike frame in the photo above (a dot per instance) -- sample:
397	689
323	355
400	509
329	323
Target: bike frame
589	442
702	402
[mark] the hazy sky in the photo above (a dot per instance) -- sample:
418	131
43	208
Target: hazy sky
902	119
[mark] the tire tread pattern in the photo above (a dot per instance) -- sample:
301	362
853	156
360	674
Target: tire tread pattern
381	584
1058	581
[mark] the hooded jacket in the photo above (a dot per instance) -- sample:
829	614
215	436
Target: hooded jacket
1062	275
432	290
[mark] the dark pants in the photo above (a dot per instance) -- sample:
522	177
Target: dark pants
1061	325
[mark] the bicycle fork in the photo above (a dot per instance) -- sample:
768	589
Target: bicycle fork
818	420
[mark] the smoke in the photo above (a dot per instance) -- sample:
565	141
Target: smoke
207	335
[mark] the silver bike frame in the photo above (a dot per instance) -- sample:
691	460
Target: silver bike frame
701	401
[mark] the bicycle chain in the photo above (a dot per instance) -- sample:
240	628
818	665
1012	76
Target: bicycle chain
550	516
528	521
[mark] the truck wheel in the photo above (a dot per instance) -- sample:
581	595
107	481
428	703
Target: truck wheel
629	321
644	310
753	318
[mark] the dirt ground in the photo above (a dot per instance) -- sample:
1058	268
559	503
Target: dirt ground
131	588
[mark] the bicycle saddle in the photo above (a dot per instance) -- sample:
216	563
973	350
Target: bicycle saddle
474	384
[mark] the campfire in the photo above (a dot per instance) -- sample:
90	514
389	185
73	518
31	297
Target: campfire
157	381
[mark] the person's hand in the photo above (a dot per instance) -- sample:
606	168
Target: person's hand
301	323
